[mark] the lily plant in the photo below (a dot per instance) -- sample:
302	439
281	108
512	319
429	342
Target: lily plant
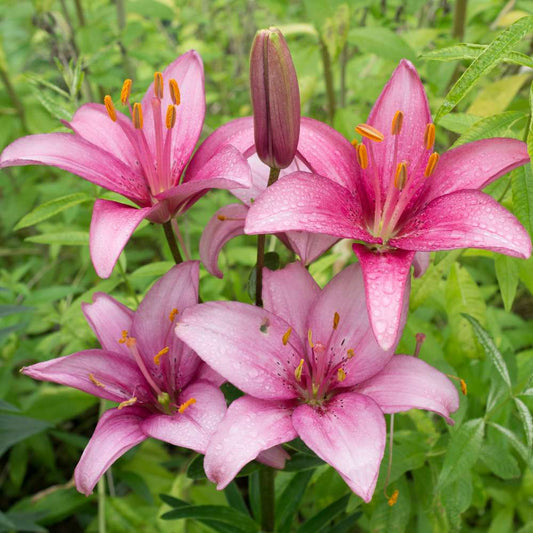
142	157
399	197
163	389
310	367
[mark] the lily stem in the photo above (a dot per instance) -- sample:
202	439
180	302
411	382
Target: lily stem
459	19
101	491
172	244
274	173
328	78
266	489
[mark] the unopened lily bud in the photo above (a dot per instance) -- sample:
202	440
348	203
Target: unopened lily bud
275	99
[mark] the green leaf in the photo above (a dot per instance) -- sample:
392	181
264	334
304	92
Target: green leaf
382	42
472	51
49	209
67	238
234	498
507	276
485	62
500	461
288	501
518	445
172	501
527	420
216	513
499	125
322	520
522	186
14	428
195	469
490	349
6	310
463	451
302	461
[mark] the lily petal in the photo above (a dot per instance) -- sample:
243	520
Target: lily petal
227	169
100	373
289	293
92	122
328	153
344	296
74	154
249	427
153	326
465	219
474	166
307	202
309	246
387	288
194	427
276	457
349	434
112	225
226	223
188	71
410	383
108	319
421	262
244	344
403	92
116	433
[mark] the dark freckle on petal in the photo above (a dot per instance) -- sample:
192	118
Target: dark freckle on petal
343	341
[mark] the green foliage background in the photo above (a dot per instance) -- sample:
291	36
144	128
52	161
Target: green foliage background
57	54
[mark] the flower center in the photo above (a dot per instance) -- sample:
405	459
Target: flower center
321	368
407	179
156	167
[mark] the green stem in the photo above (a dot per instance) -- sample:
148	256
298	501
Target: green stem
13	96
328	78
79	12
172	244
132	292
101	490
459	19
266	489
274	173
121	23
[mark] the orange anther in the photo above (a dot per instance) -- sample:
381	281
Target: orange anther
159	354
174	92
158	85
127	403
125	92
137	116
110	108
286	335
94	381
341	374
336	319
369	132
394	498
350	353
186	404
171	117
401	176
172	314
432	163
429	136
397	122
362	156
298	371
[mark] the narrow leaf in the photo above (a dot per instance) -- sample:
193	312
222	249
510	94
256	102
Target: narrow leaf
6	310
520	447
507	276
49	209
522	186
485	62
288	501
15	428
463	451
217	513
527	420
382	42
234	498
69	238
490	349
322	520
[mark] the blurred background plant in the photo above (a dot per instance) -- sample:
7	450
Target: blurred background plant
57	54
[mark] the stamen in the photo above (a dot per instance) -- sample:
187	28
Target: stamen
350	353
429	136
173	314
362	156
286	335
355	142
420	338
310	338
394	498
137	116
158	85
369	132
130	342
95	381
222	218
336	319
397	123
298	371
341	375
432	163
400	178
174	92
127	403
171	117
462	383
110	108
185	405
124	337
125	92
160	353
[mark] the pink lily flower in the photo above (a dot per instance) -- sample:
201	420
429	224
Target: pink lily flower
311	368
164	390
316	154
142	158
399	198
